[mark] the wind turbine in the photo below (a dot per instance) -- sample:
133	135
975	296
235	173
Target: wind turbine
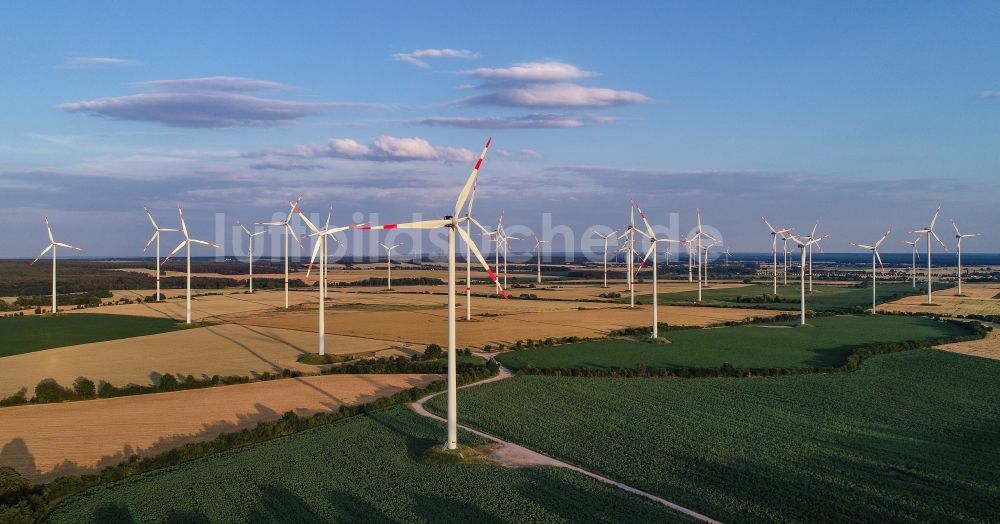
605	239
705	258
774	250
629	247
156	236
286	226
187	243
699	235
728	254
690	250
538	256
811	236
929	231
52	246
914	244
250	235
804	246
319	249
875	256
506	247
388	263
651	235
958	237
453	223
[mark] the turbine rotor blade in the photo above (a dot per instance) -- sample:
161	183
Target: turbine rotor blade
464	195
40	255
482	261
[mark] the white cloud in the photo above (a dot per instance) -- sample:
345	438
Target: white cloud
532	72
990	94
213	83
207	102
530	154
386	148
559	95
512	122
416	57
87	62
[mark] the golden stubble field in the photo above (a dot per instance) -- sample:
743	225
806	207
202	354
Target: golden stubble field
46	441
226	349
978	300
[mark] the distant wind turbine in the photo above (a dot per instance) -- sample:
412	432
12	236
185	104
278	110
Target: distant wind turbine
52	246
187	243
388	263
538	257
914	244
875	256
774	250
958	238
698	236
653	241
605	239
156	237
929	231
250	236
804	246
286	226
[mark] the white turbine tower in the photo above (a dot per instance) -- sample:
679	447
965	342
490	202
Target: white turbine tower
605	239
250	236
958	238
629	248
653	240
914	244
705	258
774	250
286	226
698	236
453	223
811	236
388	263
319	249
929	231
875	256
187	243
156	237
52	246
538	257
804	246
506	249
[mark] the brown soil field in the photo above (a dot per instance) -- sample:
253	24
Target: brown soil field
49	440
226	349
430	326
988	347
978	300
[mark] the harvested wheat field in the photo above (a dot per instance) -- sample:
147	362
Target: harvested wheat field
49	440
978	300
988	347
430	326
208	307
225	349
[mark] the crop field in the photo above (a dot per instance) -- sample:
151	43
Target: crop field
208	307
979	299
507	321
35	440
988	347
910	436
835	298
36	332
226	349
365	468
826	343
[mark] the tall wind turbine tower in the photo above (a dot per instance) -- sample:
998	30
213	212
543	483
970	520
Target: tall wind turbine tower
286	226
53	245
250	236
958	239
156	237
186	243
875	256
929	231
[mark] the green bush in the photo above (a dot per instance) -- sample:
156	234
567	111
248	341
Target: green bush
84	388
16	399
48	390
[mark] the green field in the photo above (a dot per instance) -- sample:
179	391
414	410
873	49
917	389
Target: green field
362	469
912	436
36	332
823	298
826	343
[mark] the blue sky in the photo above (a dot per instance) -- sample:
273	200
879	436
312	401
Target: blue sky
862	114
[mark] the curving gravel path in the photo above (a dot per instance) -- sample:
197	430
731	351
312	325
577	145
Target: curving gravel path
515	455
